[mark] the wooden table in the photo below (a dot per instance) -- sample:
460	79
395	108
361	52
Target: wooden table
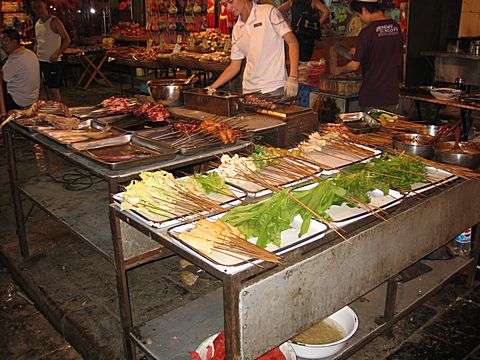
91	67
465	109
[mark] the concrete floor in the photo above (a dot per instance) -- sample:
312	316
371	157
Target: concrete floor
77	289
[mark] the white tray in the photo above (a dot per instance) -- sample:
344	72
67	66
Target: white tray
289	240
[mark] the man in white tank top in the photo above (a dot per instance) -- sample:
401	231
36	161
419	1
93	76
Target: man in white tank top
51	41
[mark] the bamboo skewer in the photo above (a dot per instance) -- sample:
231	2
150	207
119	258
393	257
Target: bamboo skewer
237	245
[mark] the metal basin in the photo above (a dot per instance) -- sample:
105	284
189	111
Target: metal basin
415	144
433	129
168	92
467	156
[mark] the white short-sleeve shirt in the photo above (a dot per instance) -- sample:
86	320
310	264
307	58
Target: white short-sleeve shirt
21	71
260	41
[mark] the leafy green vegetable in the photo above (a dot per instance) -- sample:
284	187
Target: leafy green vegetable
265	219
357	185
212	183
319	199
263	156
375	114
268	218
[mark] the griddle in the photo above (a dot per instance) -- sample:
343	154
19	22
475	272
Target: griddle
220	103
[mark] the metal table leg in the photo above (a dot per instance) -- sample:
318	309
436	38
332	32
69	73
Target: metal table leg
392	286
437	112
419	110
231	291
476	255
466	122
121	277
17	201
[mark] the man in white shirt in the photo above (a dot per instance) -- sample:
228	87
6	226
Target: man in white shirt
21	72
259	36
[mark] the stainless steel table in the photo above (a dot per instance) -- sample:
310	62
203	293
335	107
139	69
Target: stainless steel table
124	253
314	280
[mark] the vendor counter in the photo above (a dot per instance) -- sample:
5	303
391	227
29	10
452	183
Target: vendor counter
359	257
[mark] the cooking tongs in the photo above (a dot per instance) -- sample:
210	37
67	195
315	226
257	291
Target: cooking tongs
343	51
444	131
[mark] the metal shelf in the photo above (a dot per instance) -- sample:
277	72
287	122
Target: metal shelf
85	213
409	295
450	55
174	334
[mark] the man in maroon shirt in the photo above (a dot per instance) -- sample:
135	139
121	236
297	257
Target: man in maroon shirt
378	53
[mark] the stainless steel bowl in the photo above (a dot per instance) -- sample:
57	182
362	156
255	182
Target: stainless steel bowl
467	156
415	144
168	92
433	129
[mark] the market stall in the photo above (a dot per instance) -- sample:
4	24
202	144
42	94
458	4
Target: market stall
356	228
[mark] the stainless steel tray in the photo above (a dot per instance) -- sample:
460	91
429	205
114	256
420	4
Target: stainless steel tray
386	112
157	136
83	111
127	151
359	122
88	130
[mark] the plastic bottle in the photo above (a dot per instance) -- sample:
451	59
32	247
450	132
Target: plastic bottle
462	243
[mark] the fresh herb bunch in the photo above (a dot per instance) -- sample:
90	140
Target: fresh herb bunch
357	186
393	171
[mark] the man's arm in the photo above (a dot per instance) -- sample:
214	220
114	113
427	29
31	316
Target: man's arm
351	66
293	50
317	4
228	74
285	6
58	28
291	86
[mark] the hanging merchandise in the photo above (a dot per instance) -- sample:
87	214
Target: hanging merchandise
197	9
181	6
210	14
162	6
188	8
223	20
172	9
162	23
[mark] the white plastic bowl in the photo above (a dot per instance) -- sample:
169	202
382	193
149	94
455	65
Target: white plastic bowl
347	319
285	348
445	93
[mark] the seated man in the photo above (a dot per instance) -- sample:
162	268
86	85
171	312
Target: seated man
21	72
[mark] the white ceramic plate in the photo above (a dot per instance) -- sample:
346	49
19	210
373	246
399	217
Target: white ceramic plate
445	93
